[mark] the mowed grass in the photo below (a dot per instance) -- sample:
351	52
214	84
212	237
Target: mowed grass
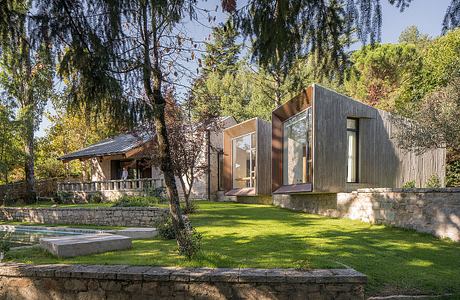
239	235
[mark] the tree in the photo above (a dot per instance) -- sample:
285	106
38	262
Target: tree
378	72
71	130
26	74
188	139
411	35
11	156
435	123
119	55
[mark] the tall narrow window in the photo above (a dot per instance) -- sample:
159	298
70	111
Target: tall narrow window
297	141
220	169
244	161
352	149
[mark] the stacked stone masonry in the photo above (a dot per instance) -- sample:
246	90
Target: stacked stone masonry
434	211
18	281
104	216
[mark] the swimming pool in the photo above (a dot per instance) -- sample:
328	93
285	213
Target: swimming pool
30	235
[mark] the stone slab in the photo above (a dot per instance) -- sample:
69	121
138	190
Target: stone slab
69	246
137	233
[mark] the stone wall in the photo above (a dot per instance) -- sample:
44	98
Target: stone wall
43	282
435	211
109	216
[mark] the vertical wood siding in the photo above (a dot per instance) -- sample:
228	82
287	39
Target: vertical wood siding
381	162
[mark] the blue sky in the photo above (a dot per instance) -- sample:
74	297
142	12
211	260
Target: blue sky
427	15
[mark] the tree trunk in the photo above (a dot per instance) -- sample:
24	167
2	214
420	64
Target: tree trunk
30	195
152	80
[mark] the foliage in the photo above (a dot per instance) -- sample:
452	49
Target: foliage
165	228
436	120
189	209
433	182
378	72
409	184
26	76
71	130
411	35
5	246
192	245
95	197
453	173
11	154
136	201
236	236
157	192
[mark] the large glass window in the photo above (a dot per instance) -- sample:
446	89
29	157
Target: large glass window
352	150
244	161
297	141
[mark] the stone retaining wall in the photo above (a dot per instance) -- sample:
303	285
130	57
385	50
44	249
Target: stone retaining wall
435	211
108	216
19	281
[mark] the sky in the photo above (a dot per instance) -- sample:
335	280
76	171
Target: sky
427	15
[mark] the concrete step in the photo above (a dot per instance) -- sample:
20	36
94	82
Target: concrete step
84	244
136	233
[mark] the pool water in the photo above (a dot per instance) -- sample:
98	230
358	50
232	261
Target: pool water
27	237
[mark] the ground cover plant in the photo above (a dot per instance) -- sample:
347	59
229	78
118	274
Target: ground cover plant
241	235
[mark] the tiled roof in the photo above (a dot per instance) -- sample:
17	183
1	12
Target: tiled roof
117	145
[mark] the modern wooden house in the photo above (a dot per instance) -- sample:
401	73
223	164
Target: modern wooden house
325	142
130	151
247	155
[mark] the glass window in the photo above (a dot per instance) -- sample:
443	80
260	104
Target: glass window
244	161
297	141
352	150
220	168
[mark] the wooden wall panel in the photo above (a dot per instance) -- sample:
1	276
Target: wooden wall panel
263	174
381	162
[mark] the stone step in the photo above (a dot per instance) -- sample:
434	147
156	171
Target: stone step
136	233
84	244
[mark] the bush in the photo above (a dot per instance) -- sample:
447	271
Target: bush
165	228
158	192
190	209
192	244
136	201
409	185
433	182
5	246
95	197
453	173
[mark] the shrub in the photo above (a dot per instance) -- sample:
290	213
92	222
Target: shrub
64	197
165	227
158	192
433	182
136	201
190	209
409	185
192	244
5	246
95	197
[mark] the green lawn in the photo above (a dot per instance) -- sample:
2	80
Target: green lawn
239	235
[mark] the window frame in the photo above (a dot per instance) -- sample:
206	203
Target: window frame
252	180
357	164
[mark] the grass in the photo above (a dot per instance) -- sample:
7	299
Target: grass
240	235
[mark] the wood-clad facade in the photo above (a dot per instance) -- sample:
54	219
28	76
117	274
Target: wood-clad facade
247	155
368	153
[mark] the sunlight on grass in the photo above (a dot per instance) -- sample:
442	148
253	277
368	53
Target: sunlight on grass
241	235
